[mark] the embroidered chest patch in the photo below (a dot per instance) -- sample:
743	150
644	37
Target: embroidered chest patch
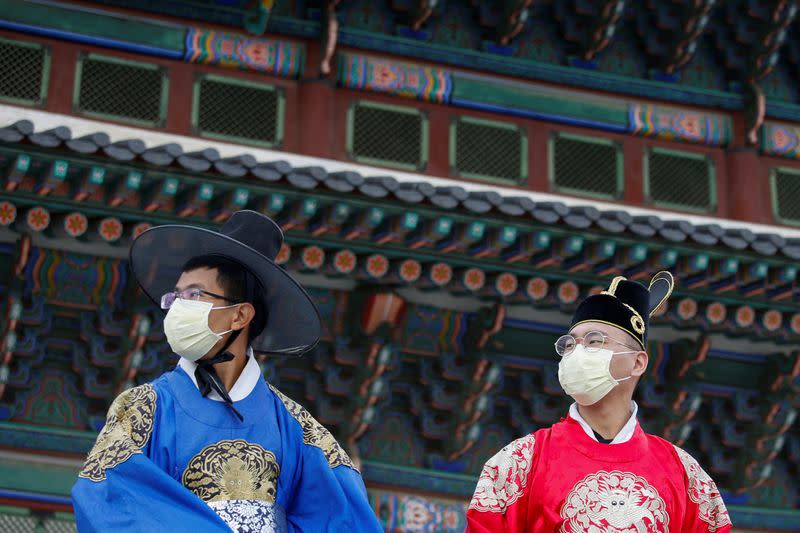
315	434
504	477
614	501
233	470
128	428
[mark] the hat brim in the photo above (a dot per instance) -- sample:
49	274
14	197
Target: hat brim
157	258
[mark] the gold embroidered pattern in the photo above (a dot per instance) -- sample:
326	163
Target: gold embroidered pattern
703	491
315	434
128	427
233	470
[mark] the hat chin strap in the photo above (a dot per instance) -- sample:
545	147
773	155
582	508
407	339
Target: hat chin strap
207	377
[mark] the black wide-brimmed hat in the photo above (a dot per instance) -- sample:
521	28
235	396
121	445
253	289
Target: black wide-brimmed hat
250	239
626	305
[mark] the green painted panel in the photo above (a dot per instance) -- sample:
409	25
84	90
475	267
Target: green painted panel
103	25
538	99
37	478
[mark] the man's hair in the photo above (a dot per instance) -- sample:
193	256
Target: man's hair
238	284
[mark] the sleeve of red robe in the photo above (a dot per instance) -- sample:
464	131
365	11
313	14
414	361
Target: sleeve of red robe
500	502
705	510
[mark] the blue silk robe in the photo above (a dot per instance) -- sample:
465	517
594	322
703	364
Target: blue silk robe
169	459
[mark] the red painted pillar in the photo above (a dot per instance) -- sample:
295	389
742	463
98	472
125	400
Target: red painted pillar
538	168
633	154
438	142
179	111
746	187
62	78
316	109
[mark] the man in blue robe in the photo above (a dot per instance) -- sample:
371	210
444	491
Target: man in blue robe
210	446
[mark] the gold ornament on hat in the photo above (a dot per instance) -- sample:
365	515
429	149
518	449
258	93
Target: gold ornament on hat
660	289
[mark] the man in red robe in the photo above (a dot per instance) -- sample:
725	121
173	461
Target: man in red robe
596	470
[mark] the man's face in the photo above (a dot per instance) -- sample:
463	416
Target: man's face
206	279
617	341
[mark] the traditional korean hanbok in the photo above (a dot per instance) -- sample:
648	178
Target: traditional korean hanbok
562	479
169	459
185	454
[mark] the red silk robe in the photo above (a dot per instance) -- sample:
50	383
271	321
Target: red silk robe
560	480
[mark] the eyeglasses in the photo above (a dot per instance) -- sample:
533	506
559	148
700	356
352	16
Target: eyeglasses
189	294
592	341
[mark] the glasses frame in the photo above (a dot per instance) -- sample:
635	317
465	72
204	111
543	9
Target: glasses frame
178	294
592	349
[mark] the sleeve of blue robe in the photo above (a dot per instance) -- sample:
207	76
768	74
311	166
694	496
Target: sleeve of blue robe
122	489
327	492
329	499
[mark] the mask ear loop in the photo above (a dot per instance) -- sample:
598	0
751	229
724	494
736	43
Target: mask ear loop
621	353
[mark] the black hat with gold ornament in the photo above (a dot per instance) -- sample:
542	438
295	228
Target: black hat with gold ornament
626	305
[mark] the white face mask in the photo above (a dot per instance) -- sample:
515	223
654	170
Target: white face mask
187	330
587	376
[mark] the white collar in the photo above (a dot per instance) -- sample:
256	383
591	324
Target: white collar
251	374
624	435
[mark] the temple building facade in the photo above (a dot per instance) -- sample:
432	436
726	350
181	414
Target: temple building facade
452	178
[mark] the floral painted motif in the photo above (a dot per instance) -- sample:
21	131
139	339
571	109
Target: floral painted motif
716	312
504	477
568	292
614	501
537	288
140	228
506	284
344	261
687	309
703	491
772	320
76	224
410	270
38	218
110	229
745	316
313	257
441	274
377	265
283	254
474	279
8	213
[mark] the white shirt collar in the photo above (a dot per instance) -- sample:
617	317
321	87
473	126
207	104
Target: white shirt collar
624	435
251	374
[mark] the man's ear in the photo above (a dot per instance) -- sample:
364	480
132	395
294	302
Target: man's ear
640	363
243	315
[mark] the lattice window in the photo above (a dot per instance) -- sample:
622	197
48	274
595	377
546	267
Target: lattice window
387	135
17	523
585	166
240	110
122	90
24	72
488	150
786	195
59	526
680	180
